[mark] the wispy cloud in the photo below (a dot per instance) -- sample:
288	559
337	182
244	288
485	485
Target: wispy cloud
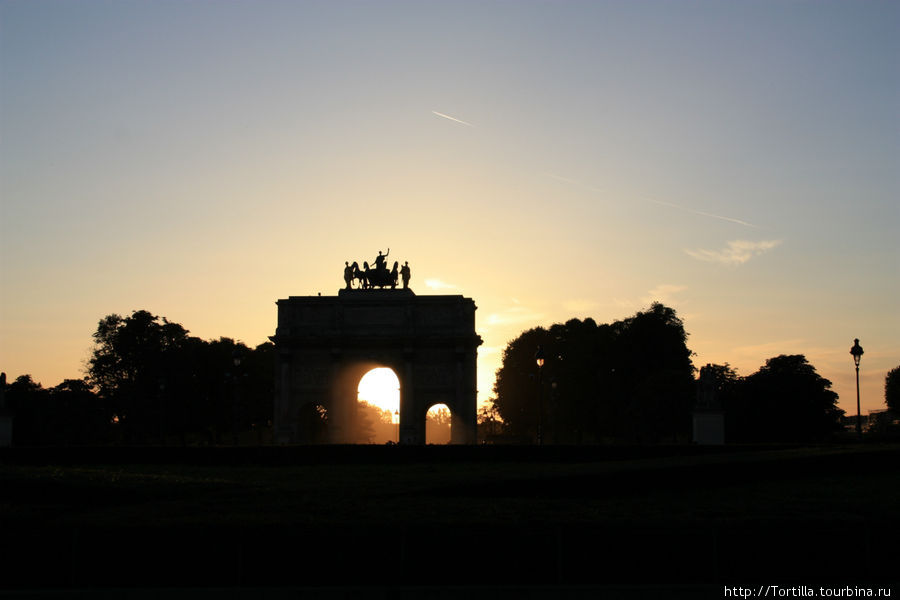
580	305
664	292
623	303
442	115
437	284
737	252
512	315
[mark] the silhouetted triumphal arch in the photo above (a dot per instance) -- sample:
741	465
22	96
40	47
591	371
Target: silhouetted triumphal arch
326	344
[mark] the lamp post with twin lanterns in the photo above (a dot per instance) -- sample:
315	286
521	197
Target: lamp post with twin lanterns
857	353
539	359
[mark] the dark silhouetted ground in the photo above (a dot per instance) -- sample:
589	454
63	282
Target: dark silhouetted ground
567	518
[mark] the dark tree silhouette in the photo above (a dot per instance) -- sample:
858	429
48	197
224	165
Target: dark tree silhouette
725	383
312	421
134	365
654	375
367	415
78	415
164	385
576	376
892	390
515	387
489	422
259	391
726	379
148	381
68	414
785	401
29	402
628	381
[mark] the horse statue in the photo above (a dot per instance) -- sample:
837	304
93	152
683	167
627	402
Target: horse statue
381	278
357	274
370	278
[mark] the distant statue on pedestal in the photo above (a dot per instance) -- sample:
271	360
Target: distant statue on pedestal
708	416
707	389
404	274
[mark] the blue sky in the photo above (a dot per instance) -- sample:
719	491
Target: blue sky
737	161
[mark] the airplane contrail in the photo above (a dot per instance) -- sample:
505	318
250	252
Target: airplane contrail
577	183
451	118
704	214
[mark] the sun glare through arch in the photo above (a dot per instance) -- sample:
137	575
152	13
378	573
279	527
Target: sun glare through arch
378	396
380	387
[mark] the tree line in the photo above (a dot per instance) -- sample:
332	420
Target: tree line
633	381
149	382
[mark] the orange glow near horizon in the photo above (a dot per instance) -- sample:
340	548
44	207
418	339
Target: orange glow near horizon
583	169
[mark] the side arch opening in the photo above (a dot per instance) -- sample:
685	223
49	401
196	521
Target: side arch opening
438	424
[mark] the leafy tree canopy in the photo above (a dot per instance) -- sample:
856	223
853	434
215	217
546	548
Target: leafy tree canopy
129	351
784	401
631	380
160	381
892	389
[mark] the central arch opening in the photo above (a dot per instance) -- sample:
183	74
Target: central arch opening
378	407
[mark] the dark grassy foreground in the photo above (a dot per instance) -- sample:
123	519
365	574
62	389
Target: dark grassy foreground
329	518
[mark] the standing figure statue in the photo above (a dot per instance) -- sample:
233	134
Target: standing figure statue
380	260
404	273
348	274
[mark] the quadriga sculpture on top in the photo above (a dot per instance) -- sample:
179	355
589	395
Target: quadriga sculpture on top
379	276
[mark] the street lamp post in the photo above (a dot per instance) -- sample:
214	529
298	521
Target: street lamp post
539	359
857	353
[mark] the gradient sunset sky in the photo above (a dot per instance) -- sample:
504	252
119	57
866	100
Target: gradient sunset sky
739	162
